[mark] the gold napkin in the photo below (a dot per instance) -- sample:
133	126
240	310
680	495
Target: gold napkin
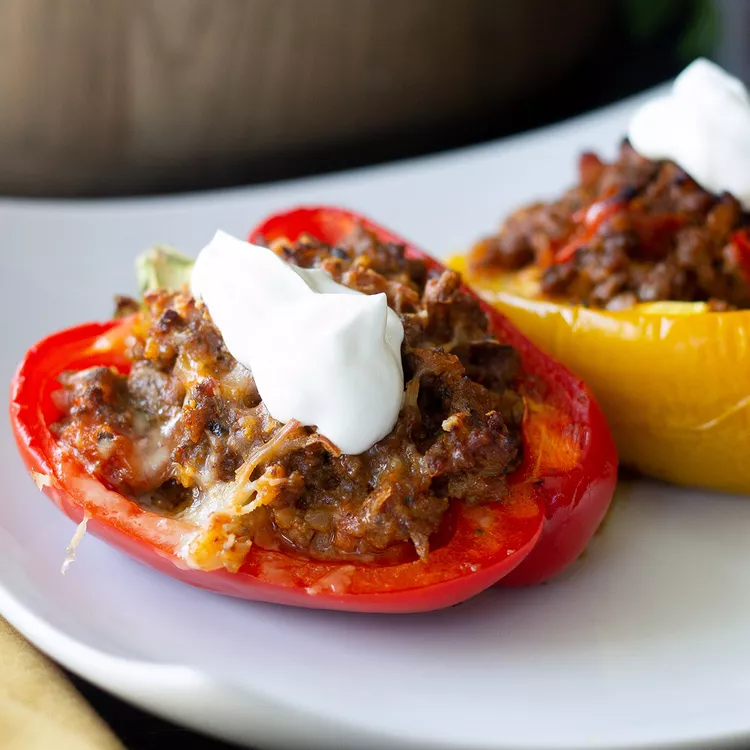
39	708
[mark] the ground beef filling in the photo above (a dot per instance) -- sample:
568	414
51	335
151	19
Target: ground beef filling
186	433
631	231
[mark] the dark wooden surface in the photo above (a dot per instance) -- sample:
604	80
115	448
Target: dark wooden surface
114	96
139	730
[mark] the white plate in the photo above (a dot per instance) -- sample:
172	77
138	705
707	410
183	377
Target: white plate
644	643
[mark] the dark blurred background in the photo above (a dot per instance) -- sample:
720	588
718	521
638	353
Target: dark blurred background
117	97
112	97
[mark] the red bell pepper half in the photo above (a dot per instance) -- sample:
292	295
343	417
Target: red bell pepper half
557	497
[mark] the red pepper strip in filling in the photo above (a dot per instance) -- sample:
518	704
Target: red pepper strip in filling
740	241
652	229
591	218
569	455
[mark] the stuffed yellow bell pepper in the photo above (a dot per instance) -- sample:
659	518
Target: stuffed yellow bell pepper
638	279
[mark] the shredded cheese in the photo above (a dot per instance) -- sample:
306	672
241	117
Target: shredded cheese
42	480
70	552
336	582
103	344
411	392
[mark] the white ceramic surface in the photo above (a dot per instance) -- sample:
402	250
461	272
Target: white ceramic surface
644	643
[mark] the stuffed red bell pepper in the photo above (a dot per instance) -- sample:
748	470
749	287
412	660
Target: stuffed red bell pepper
145	429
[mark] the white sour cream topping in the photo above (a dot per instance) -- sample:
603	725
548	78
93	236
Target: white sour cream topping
703	125
320	353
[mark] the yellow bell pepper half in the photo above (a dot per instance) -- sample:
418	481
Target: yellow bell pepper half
672	378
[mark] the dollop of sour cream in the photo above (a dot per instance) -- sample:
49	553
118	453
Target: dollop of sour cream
703	125
321	353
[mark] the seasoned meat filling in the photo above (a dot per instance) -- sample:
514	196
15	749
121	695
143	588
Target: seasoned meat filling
186	433
631	231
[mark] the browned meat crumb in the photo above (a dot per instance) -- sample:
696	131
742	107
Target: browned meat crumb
125	306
